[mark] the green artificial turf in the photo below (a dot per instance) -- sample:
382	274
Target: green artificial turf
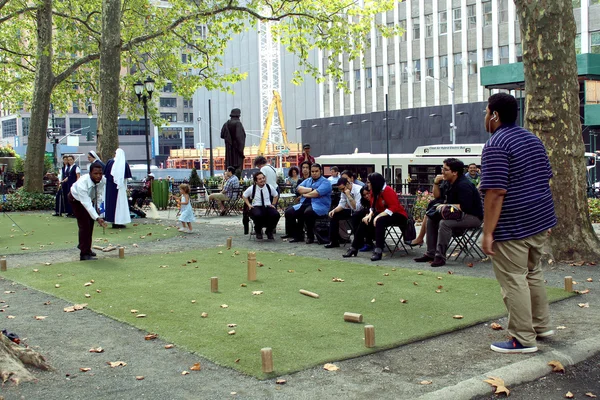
302	331
43	232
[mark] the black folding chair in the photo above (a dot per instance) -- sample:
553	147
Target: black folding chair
394	233
465	243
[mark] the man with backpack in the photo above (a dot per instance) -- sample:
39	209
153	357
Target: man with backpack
261	201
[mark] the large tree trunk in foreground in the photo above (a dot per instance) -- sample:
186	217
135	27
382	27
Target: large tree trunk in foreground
40	104
110	75
13	359
552	112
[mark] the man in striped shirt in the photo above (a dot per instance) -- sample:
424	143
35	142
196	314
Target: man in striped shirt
518	214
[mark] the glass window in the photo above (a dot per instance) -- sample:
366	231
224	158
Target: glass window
202	31
457	27
487	13
457	58
443	17
171	117
488	57
417	70
429	25
519	50
578	43
443	66
75	107
429	66
167	132
595	42
25	122
391	75
357	79
9	128
402	25
168	88
404	72
168	102
503	11
378	38
416	29
132	128
472	62
368	77
503	54
380	75
188	103
472	16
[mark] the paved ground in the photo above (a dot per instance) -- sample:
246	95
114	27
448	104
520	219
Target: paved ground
455	363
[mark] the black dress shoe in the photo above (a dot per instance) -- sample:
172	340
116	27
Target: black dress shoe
376	257
350	253
310	241
118	226
93	254
259	236
87	257
424	258
438	262
270	236
296	240
57	215
332	245
286	236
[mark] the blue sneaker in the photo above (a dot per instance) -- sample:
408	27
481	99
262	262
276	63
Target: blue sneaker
512	346
365	248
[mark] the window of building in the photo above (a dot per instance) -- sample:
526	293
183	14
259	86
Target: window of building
368	77
443	17
380	75
404	72
60	125
168	102
488	57
472	62
576	3
186	58
25	121
595	41
188	117
519	50
471	16
391	75
487	12
443	66
378	38
416	29
168	88
167	132
417	70
357	79
9	128
503	11
457	58
429	25
202	31
188	103
132	128
402	25
457	21
429	61
578	43
171	117
75	107
503	54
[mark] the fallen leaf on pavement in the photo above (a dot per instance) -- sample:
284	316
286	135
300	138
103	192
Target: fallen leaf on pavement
280	381
243	285
87	284
380	283
403	301
330	367
97	350
196	367
569	395
75	307
204	315
495	326
237	360
10	316
87	295
169	346
470	265
498	383
586	291
151	336
584	305
450	272
115	364
556	366
139	378
416	283
224	306
337	280
590	394
231	332
134	311
83	369
185	373
457	317
40	317
141	316
561	327
425	382
589	280
257	292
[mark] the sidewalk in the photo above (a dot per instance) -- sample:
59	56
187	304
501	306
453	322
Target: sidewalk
455	363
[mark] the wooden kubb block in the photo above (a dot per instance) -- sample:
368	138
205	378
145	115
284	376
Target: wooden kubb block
214	284
369	336
353	317
568	283
267	360
251	266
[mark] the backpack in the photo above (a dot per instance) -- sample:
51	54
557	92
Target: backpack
410	232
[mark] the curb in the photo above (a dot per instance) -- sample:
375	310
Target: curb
520	372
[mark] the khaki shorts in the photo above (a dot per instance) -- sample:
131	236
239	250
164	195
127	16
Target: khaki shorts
218	196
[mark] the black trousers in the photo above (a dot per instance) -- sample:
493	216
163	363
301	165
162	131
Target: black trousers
334	225
295	220
66	191
85	224
59	202
378	231
264	217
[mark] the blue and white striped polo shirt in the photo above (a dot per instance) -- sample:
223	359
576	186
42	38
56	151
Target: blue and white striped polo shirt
515	159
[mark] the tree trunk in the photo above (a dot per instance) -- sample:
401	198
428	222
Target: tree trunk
40	104
12	360
110	75
552	112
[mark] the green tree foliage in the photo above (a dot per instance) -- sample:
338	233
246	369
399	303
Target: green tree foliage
195	180
153	37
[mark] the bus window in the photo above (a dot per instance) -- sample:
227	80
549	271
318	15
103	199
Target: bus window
398	176
387	175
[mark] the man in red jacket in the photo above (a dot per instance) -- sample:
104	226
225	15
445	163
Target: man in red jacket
305	156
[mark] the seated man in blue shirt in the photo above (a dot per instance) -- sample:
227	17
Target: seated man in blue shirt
315	201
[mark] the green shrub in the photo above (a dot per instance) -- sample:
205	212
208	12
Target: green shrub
7	152
195	179
423	199
594	210
24	201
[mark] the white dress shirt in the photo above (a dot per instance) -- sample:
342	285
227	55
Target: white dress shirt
85	191
270	174
257	201
355	193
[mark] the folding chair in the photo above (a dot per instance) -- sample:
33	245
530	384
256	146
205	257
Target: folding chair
465	241
233	205
393	232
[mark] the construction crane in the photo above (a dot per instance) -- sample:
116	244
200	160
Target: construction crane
275	102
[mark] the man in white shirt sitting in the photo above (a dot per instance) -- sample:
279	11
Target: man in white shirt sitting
335	175
260	162
261	199
349	203
85	197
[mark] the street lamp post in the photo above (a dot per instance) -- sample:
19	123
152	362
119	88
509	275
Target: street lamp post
143	98
200	148
453	123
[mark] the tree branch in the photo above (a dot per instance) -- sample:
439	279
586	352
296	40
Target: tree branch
16	13
18	65
15	53
84	23
73	67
